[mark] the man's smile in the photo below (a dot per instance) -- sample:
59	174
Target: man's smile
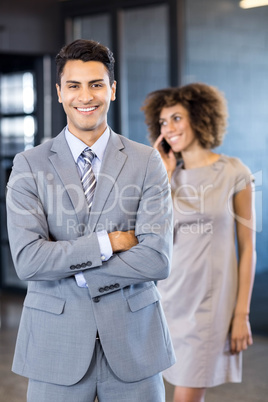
87	109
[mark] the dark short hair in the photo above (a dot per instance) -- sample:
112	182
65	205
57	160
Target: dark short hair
85	50
205	104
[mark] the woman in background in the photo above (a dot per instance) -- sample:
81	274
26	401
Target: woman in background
207	296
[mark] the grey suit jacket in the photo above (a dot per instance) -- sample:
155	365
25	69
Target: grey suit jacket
52	237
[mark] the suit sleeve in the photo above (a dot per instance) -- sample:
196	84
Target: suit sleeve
150	259
35	255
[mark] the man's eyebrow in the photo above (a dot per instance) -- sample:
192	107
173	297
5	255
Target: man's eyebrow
72	82
90	82
98	80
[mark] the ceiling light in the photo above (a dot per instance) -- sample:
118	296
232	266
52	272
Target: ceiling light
253	3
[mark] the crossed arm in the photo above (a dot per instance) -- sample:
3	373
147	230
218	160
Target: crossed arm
37	258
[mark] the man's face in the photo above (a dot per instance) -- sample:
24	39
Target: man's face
85	94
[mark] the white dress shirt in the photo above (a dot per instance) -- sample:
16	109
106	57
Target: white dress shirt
77	147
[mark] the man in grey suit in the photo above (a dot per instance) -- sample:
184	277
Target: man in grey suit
92	323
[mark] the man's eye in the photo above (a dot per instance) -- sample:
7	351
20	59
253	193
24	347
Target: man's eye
177	118
162	123
73	86
97	86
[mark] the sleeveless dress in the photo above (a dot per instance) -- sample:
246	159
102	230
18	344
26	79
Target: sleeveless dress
199	296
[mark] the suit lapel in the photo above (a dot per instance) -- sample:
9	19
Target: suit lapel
65	166
112	165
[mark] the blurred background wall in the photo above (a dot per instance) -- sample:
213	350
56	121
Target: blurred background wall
156	44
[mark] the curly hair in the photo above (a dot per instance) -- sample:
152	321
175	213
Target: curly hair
205	104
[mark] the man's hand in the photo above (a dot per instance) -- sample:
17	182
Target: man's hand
122	241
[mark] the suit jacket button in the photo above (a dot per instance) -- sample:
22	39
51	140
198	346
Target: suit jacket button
116	285
96	299
89	263
72	267
83	265
111	287
106	288
78	266
101	290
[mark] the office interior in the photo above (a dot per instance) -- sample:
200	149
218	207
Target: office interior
156	44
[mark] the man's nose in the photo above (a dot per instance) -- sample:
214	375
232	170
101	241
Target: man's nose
85	95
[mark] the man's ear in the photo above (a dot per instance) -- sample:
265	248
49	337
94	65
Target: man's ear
58	92
113	94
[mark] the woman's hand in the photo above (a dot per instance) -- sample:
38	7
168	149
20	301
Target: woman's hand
241	336
244	210
168	159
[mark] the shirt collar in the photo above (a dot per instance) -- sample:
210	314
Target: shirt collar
77	146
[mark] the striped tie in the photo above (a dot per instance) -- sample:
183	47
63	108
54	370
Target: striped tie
88	178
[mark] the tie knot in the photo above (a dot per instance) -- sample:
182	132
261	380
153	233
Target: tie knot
88	155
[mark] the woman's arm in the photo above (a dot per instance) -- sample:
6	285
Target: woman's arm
241	335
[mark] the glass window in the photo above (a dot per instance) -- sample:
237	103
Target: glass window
96	27
17	93
17	134
18	129
17	103
145	64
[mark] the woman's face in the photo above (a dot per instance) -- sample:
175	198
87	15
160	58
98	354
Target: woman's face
176	128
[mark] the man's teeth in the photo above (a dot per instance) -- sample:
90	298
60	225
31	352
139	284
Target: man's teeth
88	109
